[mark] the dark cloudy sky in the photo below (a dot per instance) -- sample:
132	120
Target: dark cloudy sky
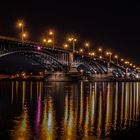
114	25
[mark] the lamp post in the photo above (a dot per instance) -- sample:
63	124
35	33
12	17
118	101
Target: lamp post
126	63
116	57
21	25
51	33
49	42
24	36
109	54
100	51
44	40
134	66
81	50
127	66
73	40
108	63
66	47
122	59
93	53
87	45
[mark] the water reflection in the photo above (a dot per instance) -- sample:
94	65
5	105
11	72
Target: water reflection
69	110
21	131
48	122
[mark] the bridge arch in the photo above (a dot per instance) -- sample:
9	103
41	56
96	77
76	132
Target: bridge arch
49	62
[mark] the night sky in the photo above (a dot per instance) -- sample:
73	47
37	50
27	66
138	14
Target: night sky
113	25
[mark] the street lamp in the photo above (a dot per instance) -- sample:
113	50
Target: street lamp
65	55
122	59
66	46
81	50
134	66
51	33
127	66
44	40
73	40
24	36
100	57
87	45
109	54
92	53
49	41
131	64
116	57
100	50
127	63
21	26
108	63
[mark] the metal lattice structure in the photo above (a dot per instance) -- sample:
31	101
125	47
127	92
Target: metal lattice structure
57	59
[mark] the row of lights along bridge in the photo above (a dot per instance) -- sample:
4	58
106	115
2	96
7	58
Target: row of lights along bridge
85	50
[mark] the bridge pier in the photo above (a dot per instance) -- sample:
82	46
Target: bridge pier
126	71
108	67
72	65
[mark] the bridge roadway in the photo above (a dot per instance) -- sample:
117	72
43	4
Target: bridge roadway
66	61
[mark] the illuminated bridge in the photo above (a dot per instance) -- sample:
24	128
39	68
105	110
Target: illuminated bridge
69	61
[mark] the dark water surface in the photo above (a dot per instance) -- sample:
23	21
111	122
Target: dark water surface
68	111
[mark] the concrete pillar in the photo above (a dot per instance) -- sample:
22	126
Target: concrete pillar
71	63
108	67
126	71
63	57
67	59
71	59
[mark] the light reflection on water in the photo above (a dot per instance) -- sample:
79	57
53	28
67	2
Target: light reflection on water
40	111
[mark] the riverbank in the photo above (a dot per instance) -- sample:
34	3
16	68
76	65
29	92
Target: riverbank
58	77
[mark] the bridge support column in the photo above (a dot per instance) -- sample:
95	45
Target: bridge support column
126	71
108	67
67	59
72	63
71	59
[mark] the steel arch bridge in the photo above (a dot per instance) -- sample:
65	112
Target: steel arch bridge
59	59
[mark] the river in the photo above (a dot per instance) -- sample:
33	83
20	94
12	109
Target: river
37	110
